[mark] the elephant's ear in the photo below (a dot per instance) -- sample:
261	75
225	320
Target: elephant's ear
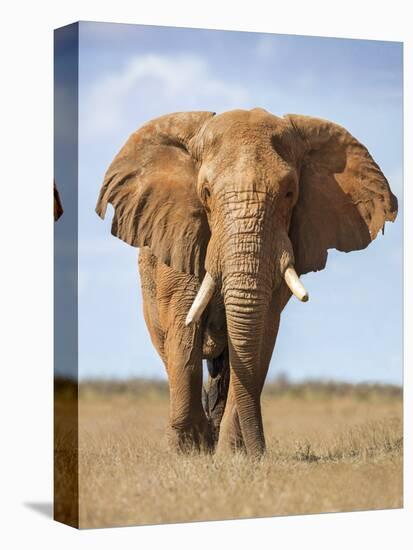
57	206
344	198
151	185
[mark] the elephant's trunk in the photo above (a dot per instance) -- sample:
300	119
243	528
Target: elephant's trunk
207	289
246	303
249	276
251	265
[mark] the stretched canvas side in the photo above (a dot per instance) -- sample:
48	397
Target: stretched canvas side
66	486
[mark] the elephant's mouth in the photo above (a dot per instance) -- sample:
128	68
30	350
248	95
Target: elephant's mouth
207	289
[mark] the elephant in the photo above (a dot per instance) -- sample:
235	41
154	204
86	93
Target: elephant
57	205
229	210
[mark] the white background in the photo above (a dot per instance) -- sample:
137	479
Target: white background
26	270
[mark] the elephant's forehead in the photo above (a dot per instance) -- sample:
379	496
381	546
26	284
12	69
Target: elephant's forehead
256	124
253	117
245	138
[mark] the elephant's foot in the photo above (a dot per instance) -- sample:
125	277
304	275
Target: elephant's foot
191	438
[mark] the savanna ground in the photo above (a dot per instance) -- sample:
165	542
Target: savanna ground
331	448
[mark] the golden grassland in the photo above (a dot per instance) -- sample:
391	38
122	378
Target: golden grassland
331	448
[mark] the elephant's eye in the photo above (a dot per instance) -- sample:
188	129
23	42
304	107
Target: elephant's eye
205	194
289	195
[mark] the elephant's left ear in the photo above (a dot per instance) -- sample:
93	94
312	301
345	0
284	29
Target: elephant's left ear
344	198
151	184
57	206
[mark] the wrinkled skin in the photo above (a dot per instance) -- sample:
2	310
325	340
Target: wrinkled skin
242	196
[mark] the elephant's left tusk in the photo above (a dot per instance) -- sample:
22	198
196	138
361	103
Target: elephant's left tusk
205	292
294	284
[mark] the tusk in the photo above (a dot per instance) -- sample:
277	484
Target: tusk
205	292
294	284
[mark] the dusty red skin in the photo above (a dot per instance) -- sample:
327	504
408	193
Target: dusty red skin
241	195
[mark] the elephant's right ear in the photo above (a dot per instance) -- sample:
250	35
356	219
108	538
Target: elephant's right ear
344	198
151	184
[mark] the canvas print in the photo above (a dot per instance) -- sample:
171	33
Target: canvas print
228	275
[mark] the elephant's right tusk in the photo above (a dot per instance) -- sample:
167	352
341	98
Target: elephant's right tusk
205	292
294	284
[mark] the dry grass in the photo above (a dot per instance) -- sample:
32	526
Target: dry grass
330	449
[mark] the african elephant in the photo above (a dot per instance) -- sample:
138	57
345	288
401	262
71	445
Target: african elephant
229	210
57	203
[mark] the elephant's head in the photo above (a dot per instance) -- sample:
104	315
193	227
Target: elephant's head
245	196
246	201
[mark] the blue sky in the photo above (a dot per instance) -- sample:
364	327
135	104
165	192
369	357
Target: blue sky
352	327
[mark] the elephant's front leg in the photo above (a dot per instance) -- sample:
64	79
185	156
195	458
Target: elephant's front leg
167	297
188	425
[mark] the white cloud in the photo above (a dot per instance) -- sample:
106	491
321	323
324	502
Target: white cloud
150	85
